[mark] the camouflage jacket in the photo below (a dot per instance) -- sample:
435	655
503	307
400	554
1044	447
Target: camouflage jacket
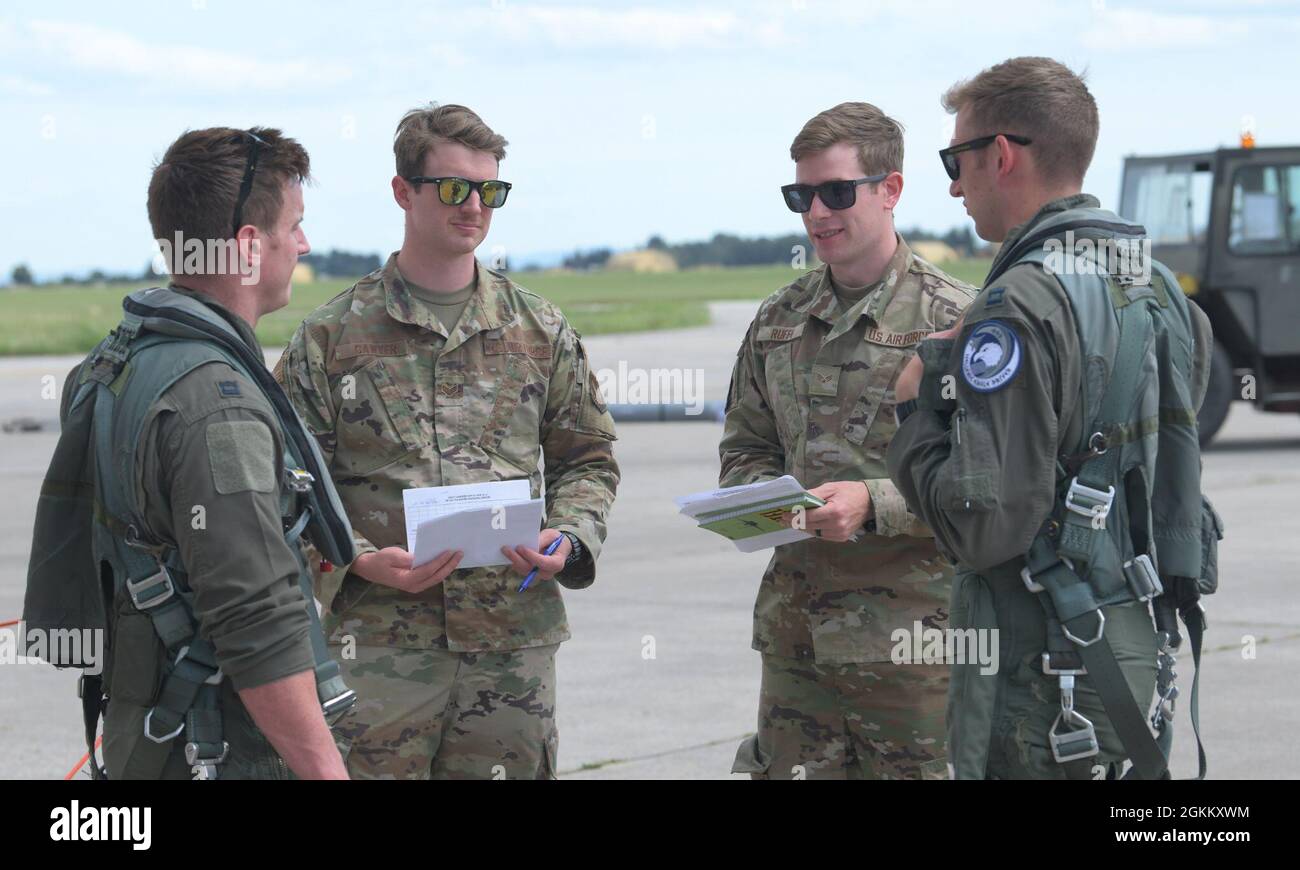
812	396
396	402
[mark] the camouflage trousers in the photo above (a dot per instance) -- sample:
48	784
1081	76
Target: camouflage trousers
435	714
848	721
998	723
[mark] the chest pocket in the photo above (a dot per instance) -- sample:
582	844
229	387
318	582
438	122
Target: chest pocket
874	387
375	424
506	391
779	345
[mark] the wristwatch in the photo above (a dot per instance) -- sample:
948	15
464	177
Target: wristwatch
577	550
903	410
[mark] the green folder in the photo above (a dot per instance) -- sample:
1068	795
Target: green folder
759	518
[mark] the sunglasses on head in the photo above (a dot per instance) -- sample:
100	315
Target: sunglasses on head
453	190
949	155
255	146
835	194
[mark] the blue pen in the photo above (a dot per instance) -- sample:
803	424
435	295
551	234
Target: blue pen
549	551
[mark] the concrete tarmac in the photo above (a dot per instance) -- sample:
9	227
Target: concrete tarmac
659	680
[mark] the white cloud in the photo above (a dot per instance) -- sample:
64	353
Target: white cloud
18	86
175	66
1134	29
641	27
587	26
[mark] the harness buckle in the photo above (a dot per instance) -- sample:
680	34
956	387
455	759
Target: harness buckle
1073	745
1088	502
204	768
148	732
1078	742
1142	578
298	479
1060	672
1101	627
338	703
1033	585
152	590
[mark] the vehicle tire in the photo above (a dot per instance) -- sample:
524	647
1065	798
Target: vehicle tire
1218	395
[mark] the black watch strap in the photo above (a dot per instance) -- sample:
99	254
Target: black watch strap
903	410
576	552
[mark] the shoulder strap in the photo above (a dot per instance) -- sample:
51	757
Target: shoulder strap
334	538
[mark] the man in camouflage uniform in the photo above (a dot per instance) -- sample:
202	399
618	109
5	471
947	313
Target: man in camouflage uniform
812	396
435	371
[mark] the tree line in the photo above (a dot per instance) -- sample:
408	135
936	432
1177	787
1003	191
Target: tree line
725	249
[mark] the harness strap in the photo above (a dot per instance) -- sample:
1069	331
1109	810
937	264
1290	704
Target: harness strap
331	691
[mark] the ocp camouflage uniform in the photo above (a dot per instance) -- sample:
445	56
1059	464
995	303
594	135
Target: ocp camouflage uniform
398	401
812	396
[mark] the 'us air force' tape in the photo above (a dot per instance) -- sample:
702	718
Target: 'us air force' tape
991	357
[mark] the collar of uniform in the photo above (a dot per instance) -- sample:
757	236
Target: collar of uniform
875	300
1065	203
819	299
239	324
879	298
487	309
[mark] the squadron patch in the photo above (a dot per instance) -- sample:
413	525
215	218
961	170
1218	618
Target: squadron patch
991	357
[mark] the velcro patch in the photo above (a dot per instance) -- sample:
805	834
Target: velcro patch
994	297
778	333
825	381
991	357
370	348
895	339
228	388
242	456
506	345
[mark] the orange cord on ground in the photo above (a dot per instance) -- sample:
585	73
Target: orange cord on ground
84	759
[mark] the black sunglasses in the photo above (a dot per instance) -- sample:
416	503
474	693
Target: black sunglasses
949	155
255	146
453	190
835	194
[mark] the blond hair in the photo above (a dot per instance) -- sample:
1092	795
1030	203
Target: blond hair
878	137
422	128
1041	99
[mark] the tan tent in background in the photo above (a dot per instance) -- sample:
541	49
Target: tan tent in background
642	261
935	252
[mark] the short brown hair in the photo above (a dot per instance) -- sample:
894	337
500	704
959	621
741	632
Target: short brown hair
194	187
878	137
1039	98
420	129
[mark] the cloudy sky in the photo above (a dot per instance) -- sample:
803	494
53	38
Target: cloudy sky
625	118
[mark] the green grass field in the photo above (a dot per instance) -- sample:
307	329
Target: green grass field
67	320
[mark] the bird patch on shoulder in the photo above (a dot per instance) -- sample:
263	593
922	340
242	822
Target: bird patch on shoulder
991	357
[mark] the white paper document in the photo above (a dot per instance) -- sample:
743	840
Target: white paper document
476	518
